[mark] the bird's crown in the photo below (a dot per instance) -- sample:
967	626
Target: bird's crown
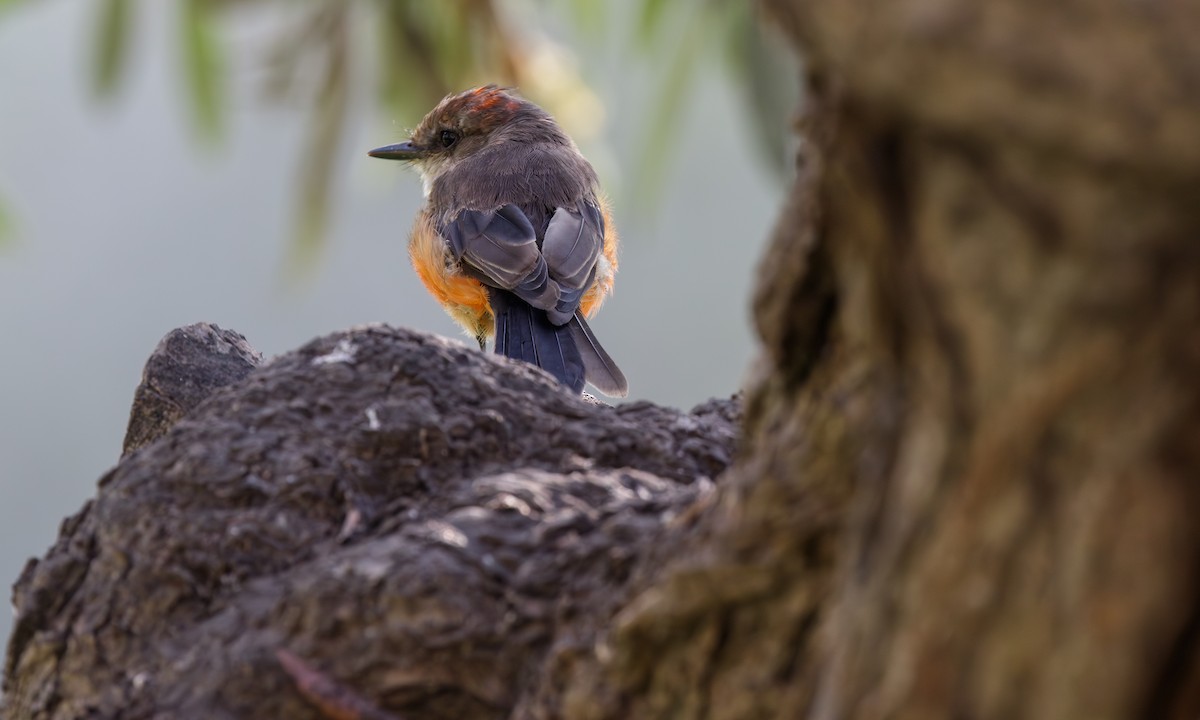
476	111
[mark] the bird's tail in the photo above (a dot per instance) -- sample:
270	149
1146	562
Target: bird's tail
569	352
598	367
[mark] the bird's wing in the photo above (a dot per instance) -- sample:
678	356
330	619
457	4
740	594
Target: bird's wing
573	241
501	247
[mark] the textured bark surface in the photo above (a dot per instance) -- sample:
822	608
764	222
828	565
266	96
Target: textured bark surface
427	523
186	367
967	487
1008	197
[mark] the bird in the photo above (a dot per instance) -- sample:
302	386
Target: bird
515	238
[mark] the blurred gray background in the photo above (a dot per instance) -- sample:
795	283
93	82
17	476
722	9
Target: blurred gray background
125	223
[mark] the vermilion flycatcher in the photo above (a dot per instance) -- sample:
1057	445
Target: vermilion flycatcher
515	238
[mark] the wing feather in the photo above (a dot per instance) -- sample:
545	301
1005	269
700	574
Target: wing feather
572	244
500	248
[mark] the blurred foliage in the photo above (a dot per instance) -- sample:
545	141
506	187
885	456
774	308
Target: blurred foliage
111	46
6	218
424	49
6	227
203	63
762	69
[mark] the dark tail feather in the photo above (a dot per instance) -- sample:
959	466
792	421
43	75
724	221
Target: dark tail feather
599	368
525	333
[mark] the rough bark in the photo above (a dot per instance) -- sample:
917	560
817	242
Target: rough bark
431	523
1009	197
967	485
186	367
969	479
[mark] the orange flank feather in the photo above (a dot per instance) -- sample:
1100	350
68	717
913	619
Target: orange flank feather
466	299
602	286
463	297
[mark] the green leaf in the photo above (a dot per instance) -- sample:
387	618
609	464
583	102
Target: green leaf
665	114
591	17
112	46
319	164
463	44
6	225
203	65
767	75
412	79
651	20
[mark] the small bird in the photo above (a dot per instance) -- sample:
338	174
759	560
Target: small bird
515	239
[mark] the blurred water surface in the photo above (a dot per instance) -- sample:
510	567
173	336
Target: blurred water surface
127	228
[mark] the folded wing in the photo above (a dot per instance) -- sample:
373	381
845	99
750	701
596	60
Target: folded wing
500	248
573	241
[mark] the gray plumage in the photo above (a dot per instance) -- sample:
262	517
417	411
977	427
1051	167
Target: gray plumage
516	204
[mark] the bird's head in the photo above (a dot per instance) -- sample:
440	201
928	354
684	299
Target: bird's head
466	125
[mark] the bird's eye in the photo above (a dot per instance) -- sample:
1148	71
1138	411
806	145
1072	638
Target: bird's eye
448	138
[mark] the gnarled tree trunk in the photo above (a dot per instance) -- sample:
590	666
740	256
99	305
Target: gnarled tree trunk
971	477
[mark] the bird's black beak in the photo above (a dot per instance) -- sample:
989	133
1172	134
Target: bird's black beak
399	151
